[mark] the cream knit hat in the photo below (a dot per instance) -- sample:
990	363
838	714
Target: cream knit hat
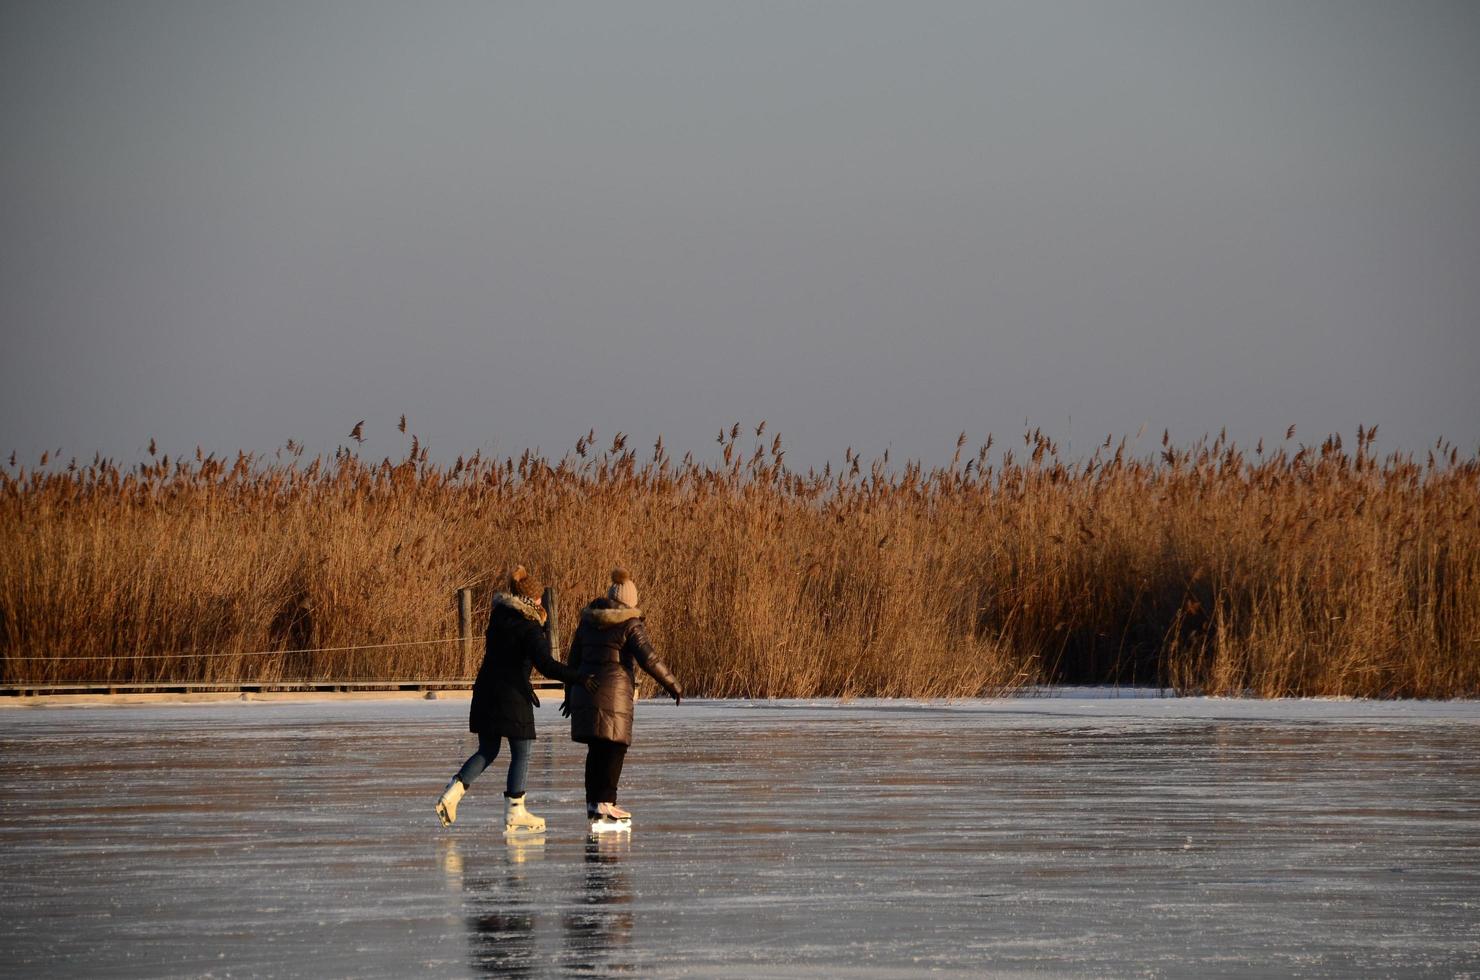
623	589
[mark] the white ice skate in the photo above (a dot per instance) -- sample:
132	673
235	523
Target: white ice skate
447	802
519	821
608	818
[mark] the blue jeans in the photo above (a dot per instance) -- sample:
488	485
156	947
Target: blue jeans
488	751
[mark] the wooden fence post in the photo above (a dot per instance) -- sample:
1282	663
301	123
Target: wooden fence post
552	622
465	629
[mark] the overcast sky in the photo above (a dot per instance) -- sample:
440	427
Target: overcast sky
873	224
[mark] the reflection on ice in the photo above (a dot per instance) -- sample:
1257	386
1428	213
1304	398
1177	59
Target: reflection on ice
501	916
598	930
1040	836
506	917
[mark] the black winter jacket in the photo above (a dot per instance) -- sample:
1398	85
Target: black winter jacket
503	698
610	639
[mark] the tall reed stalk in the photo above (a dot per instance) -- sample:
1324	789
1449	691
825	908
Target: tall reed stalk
1305	571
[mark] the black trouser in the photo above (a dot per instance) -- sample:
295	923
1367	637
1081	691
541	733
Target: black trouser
603	770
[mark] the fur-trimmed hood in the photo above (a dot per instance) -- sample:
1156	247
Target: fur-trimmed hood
523	607
605	613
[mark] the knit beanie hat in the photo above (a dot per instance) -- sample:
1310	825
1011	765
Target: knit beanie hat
623	589
525	585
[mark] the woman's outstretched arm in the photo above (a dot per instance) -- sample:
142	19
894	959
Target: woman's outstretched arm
647	658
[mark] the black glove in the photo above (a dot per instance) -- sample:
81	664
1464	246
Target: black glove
565	709
677	697
591	684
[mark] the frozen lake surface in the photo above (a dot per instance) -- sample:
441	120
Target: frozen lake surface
1065	836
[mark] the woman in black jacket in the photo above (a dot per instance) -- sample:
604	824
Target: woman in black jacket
504	700
609	641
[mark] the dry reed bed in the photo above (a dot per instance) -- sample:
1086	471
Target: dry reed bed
1305	571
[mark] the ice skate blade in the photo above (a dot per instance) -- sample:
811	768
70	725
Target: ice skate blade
524	831
606	825
442	815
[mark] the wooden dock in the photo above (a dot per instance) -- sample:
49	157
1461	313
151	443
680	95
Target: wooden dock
246	687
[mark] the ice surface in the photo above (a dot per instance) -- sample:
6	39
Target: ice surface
1064	836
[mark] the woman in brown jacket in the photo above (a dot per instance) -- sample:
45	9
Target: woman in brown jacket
610	639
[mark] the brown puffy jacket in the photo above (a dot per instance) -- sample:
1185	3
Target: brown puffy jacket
610	639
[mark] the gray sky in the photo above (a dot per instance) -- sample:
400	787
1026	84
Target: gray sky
231	224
